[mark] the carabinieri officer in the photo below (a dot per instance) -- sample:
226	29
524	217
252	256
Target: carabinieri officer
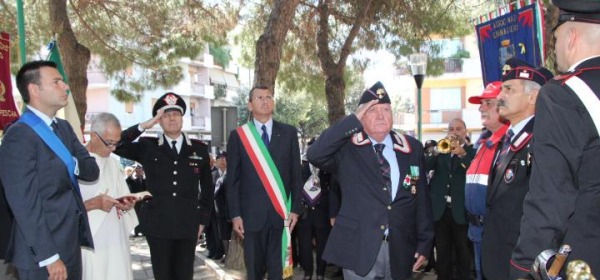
176	166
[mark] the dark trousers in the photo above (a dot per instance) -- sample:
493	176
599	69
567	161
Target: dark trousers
262	249
214	242
307	229
451	237
172	259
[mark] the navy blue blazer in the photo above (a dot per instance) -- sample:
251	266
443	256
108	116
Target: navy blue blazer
246	195
50	216
366	207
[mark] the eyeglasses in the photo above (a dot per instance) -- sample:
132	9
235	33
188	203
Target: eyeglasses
263	98
108	145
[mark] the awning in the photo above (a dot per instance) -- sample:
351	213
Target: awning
231	80
218	76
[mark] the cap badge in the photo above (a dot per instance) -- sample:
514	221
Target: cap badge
171	99
525	74
505	69
380	93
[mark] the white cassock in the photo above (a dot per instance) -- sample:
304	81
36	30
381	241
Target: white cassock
111	256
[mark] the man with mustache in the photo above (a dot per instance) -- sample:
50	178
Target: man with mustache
480	168
509	182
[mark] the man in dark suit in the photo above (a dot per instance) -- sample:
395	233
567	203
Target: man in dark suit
384	228
448	199
39	169
137	183
175	167
218	232
263	184
509	180
7	270
564	189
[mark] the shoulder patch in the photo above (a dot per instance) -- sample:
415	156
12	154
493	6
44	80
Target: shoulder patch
360	139
401	144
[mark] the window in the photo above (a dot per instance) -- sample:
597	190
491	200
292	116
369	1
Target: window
445	99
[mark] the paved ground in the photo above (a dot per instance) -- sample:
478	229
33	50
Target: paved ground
207	269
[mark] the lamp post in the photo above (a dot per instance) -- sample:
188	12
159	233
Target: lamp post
418	67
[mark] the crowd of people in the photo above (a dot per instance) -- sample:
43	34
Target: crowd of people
374	202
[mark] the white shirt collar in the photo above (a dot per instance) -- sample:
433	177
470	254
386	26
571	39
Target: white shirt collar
41	115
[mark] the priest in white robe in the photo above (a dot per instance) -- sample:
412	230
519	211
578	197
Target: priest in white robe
109	207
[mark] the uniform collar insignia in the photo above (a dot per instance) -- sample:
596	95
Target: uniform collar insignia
400	143
520	141
161	139
360	139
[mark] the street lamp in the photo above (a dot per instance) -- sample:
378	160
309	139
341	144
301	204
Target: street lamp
418	67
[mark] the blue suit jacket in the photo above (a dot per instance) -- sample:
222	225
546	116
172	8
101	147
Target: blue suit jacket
367	209
50	216
246	195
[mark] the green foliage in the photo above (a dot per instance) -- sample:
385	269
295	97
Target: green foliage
151	35
241	102
220	91
221	55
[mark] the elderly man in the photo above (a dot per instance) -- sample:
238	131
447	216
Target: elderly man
384	228
478	173
448	199
510	176
175	166
40	163
562	204
110	220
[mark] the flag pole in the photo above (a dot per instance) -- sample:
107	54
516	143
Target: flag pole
21	27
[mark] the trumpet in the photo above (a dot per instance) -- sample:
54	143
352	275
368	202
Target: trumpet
445	146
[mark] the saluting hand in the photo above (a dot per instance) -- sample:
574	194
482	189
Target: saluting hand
363	108
153	121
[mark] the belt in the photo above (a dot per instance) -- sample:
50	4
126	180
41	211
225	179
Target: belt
385	237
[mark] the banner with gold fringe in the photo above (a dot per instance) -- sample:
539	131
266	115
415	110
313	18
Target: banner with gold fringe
8	109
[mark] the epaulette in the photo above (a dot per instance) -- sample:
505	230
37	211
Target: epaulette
199	142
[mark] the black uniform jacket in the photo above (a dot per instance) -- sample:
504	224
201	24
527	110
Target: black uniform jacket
176	208
366	210
504	205
563	203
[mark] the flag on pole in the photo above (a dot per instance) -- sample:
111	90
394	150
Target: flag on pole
8	109
69	112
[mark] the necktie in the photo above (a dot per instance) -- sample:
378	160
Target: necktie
174	146
505	145
384	166
54	126
265	135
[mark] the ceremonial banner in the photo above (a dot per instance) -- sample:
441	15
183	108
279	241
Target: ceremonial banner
69	112
517	32
8	110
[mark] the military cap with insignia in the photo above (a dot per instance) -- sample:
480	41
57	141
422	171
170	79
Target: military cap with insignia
377	91
515	68
578	10
169	102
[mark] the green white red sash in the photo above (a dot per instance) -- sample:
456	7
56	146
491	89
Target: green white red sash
271	180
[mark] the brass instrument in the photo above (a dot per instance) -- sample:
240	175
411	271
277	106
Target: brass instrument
444	146
579	270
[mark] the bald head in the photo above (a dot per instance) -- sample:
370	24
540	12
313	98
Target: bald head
576	41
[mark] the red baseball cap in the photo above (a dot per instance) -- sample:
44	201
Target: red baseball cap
491	91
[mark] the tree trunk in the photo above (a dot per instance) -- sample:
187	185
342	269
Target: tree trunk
269	44
74	56
235	254
335	85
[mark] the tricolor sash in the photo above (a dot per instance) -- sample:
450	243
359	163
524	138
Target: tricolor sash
271	180
53	142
